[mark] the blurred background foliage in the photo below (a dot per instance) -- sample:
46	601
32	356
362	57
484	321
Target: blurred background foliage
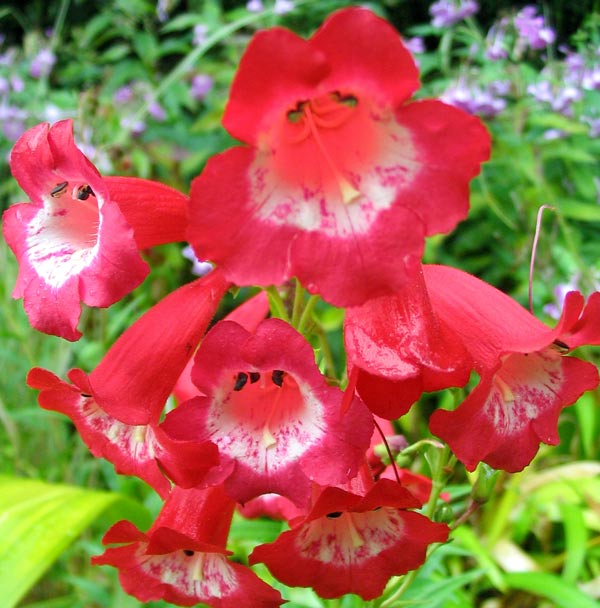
146	84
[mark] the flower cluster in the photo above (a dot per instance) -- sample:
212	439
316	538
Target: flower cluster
337	181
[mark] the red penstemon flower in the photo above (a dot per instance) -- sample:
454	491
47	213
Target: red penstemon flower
73	241
352	542
183	557
398	349
117	407
342	178
275	419
525	379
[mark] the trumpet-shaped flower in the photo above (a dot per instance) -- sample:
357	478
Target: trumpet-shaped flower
352	543
276	421
182	558
341	178
117	408
399	349
74	241
525	379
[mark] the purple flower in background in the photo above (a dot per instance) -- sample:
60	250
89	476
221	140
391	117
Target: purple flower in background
201	86
255	6
12	120
17	84
4	86
591	78
448	12
495	43
123	95
531	27
157	111
560	99
135	127
474	100
200	34
42	63
415	45
8	58
594	124
554	309
199	267
282	7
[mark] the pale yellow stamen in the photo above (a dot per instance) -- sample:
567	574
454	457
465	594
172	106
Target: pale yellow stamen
347	191
505	390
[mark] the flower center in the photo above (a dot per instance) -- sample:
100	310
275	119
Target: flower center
328	112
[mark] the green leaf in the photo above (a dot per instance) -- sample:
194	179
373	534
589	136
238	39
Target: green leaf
38	521
576	537
563	594
577	210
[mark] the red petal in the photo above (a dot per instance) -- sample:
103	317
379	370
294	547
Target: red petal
156	212
138	373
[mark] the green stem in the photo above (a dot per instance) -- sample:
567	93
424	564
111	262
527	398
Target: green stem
277	304
298	302
307	313
59	23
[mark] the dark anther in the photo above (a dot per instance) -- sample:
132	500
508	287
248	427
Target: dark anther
277	377
254	377
346	100
85	395
240	381
561	346
59	189
188	552
296	114
84	192
334	515
376	508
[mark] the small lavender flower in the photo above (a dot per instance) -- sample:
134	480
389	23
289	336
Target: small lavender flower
201	86
591	78
531	27
123	95
594	124
199	267
157	111
17	84
560	99
553	134
255	6
200	34
4	86
282	7
8	58
12	119
495	43
474	100
554	309
445	13
415	45
42	63
135	127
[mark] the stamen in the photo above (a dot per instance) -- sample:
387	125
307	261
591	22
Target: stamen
348	192
357	539
505	390
188	552
561	347
334	515
59	189
240	381
254	377
84	192
277	377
